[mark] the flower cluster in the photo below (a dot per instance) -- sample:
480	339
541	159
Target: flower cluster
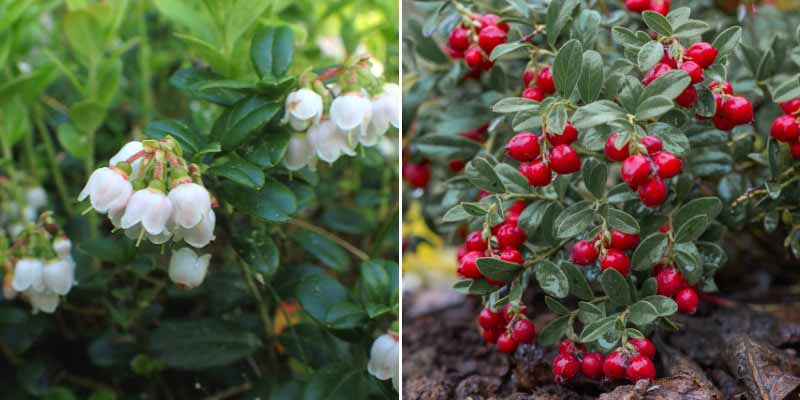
507	328
639	6
632	361
786	129
505	238
150	191
475	39
327	128
609	248
540	156
384	359
543	84
645	166
39	265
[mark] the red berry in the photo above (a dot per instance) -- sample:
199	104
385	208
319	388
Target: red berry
615	365
637	5
667	165
491	19
565	368
459	39
491	335
613	152
489	319
652	143
617	260
785	129
524	331
791	106
794	149
568	136
482	194
469	265
516	207
564	160
635	170
533	93
660	6
583	253
738	110
473	57
523	147
725	87
417	175
720	122
694	70
592	366
507	313
664	228
506	343
544	81
655	72
687	301
653	193
569	347
666	59
688	97
456	165
510	236
641	367
702	53
624	241
462	251
476	135
644	346
490	37
527	77
453	53
475	241
512	256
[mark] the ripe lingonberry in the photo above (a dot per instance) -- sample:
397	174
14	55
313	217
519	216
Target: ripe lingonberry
617	260
508	313
666	59
475	241
644	346
637	6
653	193
456	165
544	80
687	301
565	368
785	128
506	343
583	253
510	236
652	143
794	149
688	97
592	365
635	170
524	331
568	136
614	366
791	106
523	147
640	367
527	77
660	6
669	281
459	39
624	241
490	37
417	175
491	335
702	53
569	347
474	58
477	134
516	207
491	19
462	251
454	54
655	72
564	160
489	319
737	110
469	265
724	87
613	152
720	122
694	70
533	93
667	165
512	256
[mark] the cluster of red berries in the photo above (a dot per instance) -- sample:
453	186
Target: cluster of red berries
417	174
731	110
634	363
509	238
537	164
693	60
609	247
786	129
672	284
543	83
474	41
639	6
646	169
476	135
506	328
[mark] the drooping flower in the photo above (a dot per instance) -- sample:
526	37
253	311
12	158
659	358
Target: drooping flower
351	112
59	275
150	208
329	142
45	301
384	359
135	232
107	189
199	235
36	197
127	151
299	152
190	204
187	269
63	247
303	107
28	275
385	111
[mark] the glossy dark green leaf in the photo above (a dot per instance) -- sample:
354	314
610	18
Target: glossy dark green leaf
271	51
239	122
240	171
190	142
592	76
554	331
578	285
268	151
615	287
324	249
274	202
200	344
567	67
552	279
622	221
649	252
497	269
482	175
597	328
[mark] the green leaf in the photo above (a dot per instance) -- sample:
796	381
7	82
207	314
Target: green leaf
653	107
555	306
447	147
379	282
622	221
567	67
87	116
325	250
691	29
574	220
787	90
595	176
554	331
679	16
201	344
598	113
588	312
649	252
481	174
626	37
669	85
513	180
263	255
350	220
497	269
708	206
597	328
558	14
274	202
478	287
109	250
456	214
271	51
240	171
189	141
243	119
189	80
727	40
615	287
268	151
552	279
692	229
72	141
317	292
556	119
578	285
591	81
649	55
657	22
642	313
515	104
337	382
664	305
507	48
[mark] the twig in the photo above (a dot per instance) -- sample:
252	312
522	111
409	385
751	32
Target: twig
231	391
341	242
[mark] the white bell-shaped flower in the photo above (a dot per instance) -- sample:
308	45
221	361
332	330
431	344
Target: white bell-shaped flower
303	107
385	111
63	247
149	207
199	235
351	112
135	232
44	301
329	142
59	275
187	269
107	189
190	204
127	151
384	358
36	197
28	275
29	214
299	153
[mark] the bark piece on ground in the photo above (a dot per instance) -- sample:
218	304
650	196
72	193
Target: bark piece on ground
679	387
767	372
532	366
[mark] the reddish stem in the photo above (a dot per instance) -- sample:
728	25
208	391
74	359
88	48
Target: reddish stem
329	73
725	303
139	154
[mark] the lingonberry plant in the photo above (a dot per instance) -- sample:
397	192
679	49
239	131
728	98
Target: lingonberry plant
609	170
199	199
